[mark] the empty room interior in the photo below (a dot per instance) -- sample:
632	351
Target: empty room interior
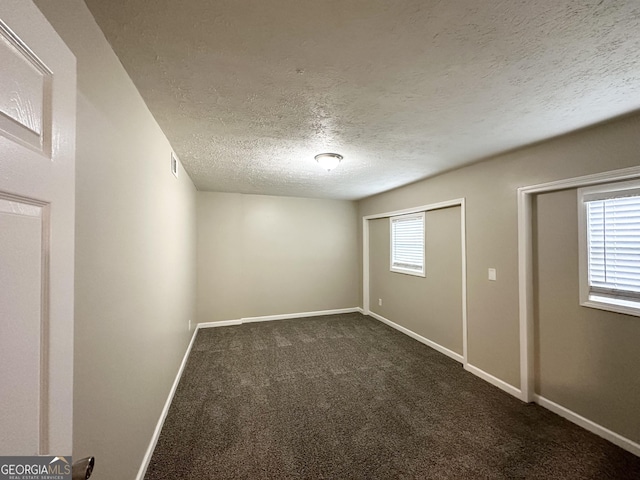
456	296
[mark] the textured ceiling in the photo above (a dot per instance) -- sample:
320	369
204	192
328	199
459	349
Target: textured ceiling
249	91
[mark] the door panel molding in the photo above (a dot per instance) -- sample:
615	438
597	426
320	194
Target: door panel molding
26	115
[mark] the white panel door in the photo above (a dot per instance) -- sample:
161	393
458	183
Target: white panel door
37	153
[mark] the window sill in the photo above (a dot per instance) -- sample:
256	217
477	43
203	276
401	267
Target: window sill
628	307
408	272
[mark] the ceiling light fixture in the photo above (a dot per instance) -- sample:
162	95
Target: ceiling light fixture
328	160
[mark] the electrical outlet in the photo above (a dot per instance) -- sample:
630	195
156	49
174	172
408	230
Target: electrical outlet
379	302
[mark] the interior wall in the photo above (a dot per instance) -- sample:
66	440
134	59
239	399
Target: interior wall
585	359
266	255
430	306
491	225
135	256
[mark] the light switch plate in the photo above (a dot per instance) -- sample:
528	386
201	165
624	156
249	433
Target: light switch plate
492	274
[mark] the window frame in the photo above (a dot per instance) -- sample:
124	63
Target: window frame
408	271
601	299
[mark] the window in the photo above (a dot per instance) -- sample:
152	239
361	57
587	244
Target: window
609	217
407	244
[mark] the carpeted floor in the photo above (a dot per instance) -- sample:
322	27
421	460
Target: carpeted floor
347	397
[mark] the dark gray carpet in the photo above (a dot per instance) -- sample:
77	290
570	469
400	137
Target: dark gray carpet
346	397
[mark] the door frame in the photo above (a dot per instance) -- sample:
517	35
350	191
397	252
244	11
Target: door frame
458	202
525	262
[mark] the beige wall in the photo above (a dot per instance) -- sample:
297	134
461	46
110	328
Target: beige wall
266	255
430	306
490	190
586	360
135	256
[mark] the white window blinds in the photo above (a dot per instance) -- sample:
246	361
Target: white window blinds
407	244
613	235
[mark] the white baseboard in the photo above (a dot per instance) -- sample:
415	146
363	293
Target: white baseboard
456	356
420	338
268	318
221	323
587	424
495	381
163	415
284	316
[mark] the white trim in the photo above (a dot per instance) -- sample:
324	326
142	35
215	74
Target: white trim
525	294
587	424
284	316
461	202
463	253
423	208
584	181
221	323
525	260
628	307
583	260
268	318
588	298
495	381
365	265
163	415
420	338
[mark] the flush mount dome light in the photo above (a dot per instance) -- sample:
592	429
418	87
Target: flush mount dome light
328	160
